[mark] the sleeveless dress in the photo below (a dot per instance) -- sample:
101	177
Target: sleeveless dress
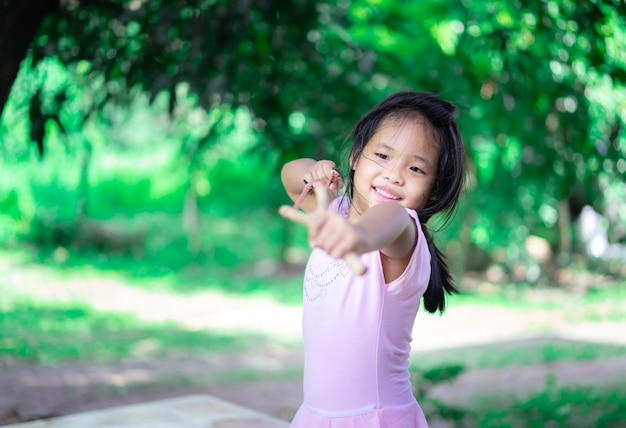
357	335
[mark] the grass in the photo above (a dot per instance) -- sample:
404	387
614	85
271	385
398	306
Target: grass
555	406
523	353
602	302
238	256
558	408
41	329
51	333
185	275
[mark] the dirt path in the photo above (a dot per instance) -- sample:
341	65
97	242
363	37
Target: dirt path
523	381
32	392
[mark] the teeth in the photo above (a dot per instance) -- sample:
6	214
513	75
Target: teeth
386	195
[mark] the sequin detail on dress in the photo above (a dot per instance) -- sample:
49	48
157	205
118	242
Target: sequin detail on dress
317	281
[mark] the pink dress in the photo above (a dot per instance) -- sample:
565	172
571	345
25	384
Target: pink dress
357	335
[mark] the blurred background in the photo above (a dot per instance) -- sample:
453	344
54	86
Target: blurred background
141	146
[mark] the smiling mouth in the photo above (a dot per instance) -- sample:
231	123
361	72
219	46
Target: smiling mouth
386	195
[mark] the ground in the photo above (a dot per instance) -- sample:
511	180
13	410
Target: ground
268	378
41	392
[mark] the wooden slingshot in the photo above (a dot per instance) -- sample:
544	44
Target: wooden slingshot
351	259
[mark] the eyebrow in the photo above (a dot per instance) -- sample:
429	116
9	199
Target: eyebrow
415	156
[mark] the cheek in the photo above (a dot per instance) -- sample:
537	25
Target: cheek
431	193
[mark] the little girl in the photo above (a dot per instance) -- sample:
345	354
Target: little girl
407	163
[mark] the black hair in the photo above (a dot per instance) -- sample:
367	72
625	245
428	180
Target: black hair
437	115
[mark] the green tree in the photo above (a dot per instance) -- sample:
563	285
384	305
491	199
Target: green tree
263	55
270	57
545	133
540	87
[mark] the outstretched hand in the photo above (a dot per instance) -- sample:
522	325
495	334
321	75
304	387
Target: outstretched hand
317	222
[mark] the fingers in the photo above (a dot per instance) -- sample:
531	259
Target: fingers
337	182
317	221
324	173
294	215
325	230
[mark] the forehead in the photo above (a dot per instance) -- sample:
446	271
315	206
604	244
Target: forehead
409	135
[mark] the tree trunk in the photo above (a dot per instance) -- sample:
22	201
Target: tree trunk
565	223
83	201
19	22
191	220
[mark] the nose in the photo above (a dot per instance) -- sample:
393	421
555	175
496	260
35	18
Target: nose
393	175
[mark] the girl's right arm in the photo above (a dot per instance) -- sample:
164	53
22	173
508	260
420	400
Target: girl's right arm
297	173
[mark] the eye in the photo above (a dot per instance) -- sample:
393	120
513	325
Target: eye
416	169
382	155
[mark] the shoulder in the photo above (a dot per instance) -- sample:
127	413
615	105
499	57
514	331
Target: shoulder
418	226
420	249
416	274
413	215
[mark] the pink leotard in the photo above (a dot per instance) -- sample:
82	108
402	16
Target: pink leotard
357	335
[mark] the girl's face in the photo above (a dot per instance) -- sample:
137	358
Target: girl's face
398	164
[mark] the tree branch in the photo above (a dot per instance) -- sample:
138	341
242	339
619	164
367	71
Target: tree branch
19	22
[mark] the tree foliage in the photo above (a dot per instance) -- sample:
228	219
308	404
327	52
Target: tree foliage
259	54
539	84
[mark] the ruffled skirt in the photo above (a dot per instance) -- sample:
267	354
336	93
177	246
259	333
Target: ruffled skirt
408	416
